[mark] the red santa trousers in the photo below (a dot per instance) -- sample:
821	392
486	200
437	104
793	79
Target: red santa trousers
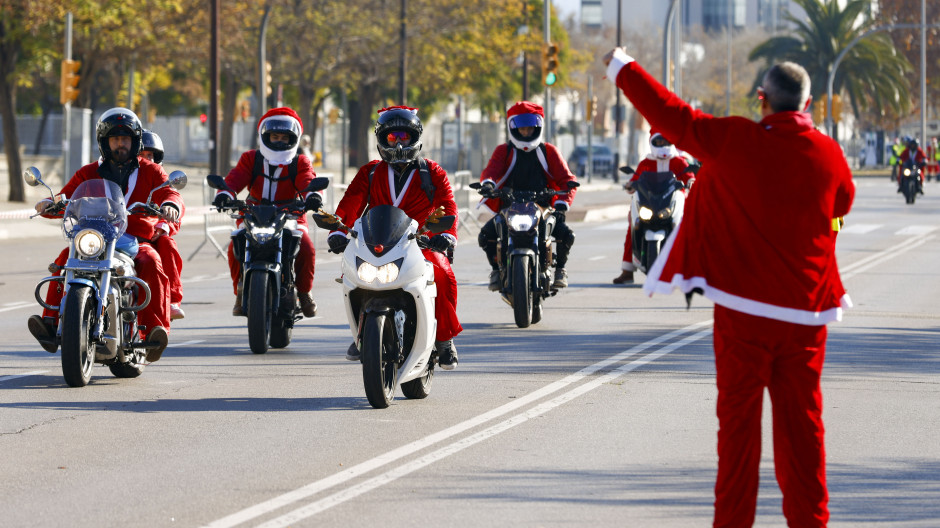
445	306
303	266
752	353
172	266
149	268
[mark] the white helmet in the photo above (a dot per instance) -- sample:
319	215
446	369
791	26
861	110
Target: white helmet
660	147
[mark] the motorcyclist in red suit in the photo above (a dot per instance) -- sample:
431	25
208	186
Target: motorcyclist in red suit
152	150
663	157
119	141
915	154
396	179
276	172
527	163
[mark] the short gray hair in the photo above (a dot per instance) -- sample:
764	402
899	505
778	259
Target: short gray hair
786	86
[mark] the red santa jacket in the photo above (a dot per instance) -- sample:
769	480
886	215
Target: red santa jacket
412	200
143	180
757	234
275	184
920	159
676	164
557	174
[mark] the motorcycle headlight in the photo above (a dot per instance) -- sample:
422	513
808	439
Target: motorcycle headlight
521	222
646	213
262	235
907	172
664	214
89	243
384	274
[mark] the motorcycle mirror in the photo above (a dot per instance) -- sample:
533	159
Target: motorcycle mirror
573	185
318	184
328	221
476	185
178	179
693	168
32	176
217	182
626	169
443	224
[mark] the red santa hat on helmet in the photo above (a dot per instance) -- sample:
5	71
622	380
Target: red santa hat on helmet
525	114
283	120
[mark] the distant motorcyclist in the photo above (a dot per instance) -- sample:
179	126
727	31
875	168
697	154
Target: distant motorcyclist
913	155
663	157
895	150
152	149
527	163
417	186
276	172
933	160
119	134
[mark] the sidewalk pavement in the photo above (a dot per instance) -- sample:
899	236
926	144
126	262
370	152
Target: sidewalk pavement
598	201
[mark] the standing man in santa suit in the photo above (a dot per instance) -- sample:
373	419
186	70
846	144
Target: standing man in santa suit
775	187
663	157
276	172
417	186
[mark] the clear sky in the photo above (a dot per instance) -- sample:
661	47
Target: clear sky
567	7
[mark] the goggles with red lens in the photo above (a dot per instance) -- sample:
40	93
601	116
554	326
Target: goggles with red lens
398	136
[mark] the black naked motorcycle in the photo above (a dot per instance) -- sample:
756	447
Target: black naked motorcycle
267	244
525	251
910	181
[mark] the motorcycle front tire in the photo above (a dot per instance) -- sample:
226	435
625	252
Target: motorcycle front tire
652	252
78	350
379	377
260	311
420	387
521	291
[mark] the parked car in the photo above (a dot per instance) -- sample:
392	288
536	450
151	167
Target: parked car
603	160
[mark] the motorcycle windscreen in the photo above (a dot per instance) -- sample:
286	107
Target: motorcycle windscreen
383	226
96	200
656	188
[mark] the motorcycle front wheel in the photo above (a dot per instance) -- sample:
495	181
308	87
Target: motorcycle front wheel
652	252
260	311
78	350
521	291
379	377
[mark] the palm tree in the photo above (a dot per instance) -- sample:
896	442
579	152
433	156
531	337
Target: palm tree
871	73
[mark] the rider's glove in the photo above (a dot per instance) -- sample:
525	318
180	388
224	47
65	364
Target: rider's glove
44	206
337	242
221	201
561	207
440	243
171	213
313	202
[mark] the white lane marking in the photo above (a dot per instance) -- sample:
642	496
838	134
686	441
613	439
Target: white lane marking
598	257
421	444
859	229
915	230
16	306
314	508
883	256
14	376
184	343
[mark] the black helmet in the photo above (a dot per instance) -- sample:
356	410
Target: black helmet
912	143
152	142
395	120
118	122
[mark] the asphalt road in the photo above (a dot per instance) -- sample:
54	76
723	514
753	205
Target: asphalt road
602	414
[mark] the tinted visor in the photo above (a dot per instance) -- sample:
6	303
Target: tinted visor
284	126
525	120
660	141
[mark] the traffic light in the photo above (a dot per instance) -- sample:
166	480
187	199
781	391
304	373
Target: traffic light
836	108
819	110
267	79
550	63
70	78
591	112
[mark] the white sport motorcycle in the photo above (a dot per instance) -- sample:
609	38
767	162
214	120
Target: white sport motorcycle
389	293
